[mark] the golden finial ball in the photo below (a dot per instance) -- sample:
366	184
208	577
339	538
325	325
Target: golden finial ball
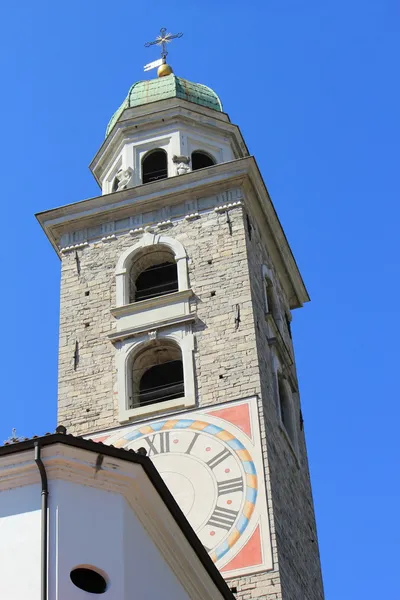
164	70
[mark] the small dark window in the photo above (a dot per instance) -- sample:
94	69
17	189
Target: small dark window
154	166
157	280
288	324
284	405
161	382
88	580
249	226
200	160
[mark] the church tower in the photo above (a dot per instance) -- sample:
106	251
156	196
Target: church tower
177	290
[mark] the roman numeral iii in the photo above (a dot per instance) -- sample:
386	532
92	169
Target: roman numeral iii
223	518
232	485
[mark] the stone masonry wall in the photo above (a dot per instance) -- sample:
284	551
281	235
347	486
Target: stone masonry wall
293	509
231	362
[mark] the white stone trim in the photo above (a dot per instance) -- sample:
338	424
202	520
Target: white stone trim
192	216
126	258
151	313
140	222
164	224
184	338
109	179
74	247
225	207
108	238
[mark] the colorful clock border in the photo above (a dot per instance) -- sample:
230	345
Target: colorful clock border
241	452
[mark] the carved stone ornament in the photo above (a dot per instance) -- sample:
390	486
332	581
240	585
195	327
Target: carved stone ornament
123	177
152	335
182	164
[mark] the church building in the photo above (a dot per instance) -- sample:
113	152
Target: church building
178	287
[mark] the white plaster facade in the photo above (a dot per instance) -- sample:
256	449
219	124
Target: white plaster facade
105	515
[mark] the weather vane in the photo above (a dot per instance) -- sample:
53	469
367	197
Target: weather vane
161	40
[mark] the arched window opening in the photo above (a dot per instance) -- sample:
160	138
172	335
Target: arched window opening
286	408
153	273
200	160
157	375
154	166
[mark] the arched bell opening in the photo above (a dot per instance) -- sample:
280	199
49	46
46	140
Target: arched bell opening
157	374
200	160
153	273
154	166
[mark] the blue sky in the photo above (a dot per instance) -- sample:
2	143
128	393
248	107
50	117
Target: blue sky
314	86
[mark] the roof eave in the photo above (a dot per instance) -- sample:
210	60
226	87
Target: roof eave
154	477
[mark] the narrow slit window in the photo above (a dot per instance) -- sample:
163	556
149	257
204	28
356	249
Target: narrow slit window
286	408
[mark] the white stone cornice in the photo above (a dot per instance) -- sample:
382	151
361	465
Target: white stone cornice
219	179
127	333
143	305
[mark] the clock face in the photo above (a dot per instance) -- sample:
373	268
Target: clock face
210	474
211	466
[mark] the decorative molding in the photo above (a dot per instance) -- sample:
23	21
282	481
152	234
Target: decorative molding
142	222
74	247
192	216
118	336
144	305
225	207
165	224
108	238
127	350
124	178
148	240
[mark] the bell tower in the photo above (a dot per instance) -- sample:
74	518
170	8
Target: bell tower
177	292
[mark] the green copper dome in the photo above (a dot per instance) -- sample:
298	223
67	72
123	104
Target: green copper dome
144	92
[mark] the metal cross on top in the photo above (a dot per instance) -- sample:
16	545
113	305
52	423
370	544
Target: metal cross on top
13	438
162	40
